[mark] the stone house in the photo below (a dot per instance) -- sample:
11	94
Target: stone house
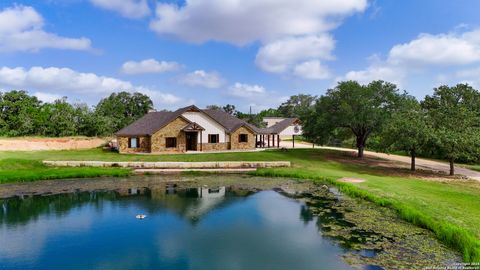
192	129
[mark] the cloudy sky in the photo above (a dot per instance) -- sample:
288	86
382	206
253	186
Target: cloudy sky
248	53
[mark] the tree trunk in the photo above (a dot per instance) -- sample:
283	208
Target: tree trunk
360	151
361	140
452	167
412	163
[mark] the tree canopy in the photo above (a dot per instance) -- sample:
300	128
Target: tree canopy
351	108
454	115
407	130
23	115
296	106
123	108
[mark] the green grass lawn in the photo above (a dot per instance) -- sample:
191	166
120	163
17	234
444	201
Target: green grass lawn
450	209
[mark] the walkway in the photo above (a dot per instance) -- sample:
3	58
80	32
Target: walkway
421	163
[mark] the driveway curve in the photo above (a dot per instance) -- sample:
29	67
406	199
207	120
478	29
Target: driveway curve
421	163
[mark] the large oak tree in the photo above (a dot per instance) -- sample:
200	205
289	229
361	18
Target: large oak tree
454	113
352	109
408	130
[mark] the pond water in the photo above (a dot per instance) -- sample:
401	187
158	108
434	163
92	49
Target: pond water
233	223
194	228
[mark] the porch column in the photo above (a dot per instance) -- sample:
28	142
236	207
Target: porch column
278	141
293	141
201	141
268	139
273	140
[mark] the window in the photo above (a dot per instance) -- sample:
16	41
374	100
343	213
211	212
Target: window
133	142
243	138
171	142
213	138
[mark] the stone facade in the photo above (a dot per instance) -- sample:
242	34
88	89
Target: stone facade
234	139
215	146
143	145
156	143
173	129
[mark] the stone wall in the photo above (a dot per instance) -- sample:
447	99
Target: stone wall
214	146
144	145
173	129
234	142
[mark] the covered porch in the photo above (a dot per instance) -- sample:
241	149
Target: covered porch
270	140
193	137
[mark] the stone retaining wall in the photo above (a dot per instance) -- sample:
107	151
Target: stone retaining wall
172	165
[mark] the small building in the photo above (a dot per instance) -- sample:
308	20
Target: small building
194	129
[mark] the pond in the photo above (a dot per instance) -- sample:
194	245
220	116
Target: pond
216	222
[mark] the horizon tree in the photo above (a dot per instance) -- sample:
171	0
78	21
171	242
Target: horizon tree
123	108
351	109
454	113
408	130
296	106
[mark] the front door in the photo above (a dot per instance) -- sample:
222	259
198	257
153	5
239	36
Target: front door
191	143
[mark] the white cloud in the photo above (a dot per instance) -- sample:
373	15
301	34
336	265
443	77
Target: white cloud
383	72
442	49
242	22
280	55
248	91
54	81
21	29
149	66
203	79
425	53
313	70
133	9
290	32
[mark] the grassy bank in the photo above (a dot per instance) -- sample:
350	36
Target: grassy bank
447	208
22	170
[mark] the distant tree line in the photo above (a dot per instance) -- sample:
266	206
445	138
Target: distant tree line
445	124
25	115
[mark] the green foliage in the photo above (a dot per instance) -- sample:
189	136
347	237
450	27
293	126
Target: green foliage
123	108
351	108
229	108
24	115
409	129
296	106
454	113
19	113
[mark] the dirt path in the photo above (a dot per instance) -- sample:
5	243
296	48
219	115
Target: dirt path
423	164
36	144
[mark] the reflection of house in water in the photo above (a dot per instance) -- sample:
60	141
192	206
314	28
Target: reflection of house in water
195	203
132	191
208	199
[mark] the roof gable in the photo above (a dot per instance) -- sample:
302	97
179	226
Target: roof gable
154	121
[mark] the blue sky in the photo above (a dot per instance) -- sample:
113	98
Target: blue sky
248	53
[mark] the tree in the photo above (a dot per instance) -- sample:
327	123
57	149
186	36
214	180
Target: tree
18	112
229	108
214	107
296	106
454	113
270	113
62	119
408	130
351	108
123	108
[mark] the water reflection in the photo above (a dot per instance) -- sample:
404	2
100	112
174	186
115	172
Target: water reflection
205	227
190	203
